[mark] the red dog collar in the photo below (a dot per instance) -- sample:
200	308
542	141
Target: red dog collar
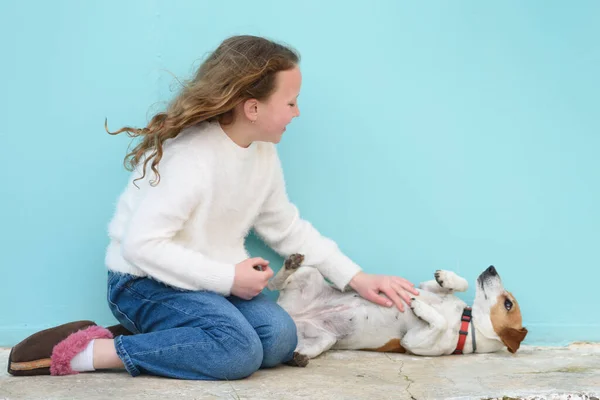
464	331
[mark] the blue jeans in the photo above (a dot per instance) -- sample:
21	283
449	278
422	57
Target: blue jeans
197	334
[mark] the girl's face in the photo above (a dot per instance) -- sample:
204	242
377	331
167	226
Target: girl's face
274	114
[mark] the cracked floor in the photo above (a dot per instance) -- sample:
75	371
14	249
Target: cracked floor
544	372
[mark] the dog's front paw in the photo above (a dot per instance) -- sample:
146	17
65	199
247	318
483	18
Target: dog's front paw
294	261
299	360
415	306
449	280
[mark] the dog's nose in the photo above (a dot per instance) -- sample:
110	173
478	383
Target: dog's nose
492	271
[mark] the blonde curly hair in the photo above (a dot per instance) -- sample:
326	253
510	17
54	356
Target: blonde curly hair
241	68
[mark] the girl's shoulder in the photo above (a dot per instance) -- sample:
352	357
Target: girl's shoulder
190	149
194	140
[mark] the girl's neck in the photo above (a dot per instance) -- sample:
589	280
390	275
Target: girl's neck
238	131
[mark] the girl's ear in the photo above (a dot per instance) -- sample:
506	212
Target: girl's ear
251	109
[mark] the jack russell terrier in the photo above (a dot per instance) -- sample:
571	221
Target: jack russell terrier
438	323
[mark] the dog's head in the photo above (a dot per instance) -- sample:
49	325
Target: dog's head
504	313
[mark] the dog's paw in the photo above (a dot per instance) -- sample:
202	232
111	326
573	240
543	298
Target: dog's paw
299	360
416	306
294	261
423	310
449	280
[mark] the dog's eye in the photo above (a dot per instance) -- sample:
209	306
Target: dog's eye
508	304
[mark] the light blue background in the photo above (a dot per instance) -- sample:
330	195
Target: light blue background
442	135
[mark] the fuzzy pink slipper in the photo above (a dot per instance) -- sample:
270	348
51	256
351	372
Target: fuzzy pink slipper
63	352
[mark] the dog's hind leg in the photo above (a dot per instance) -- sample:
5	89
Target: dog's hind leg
291	264
314	340
299	285
316	346
302	289
310	348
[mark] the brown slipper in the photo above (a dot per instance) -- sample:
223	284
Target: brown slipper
119	330
49	352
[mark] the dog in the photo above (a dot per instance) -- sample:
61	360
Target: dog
437	323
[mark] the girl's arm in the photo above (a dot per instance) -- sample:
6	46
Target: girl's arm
280	226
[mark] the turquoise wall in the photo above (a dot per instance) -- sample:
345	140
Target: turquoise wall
447	135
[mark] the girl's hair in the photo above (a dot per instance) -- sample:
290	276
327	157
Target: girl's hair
241	68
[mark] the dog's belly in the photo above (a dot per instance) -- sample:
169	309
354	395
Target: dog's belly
378	328
356	323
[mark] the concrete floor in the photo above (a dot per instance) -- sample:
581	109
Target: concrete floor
534	372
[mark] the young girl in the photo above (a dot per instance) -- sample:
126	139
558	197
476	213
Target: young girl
206	171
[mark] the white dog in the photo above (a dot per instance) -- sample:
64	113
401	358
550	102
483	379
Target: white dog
437	323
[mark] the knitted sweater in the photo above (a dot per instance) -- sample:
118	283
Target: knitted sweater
189	230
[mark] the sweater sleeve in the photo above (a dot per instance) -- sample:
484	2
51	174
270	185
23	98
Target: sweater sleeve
280	226
150	242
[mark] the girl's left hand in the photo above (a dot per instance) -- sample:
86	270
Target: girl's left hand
395	288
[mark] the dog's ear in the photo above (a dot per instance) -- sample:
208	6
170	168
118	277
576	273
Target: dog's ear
512	338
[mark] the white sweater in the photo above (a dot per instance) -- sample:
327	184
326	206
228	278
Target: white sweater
189	230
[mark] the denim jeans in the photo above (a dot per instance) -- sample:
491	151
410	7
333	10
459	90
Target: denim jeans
197	334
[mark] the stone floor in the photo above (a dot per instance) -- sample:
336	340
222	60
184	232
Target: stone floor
534	372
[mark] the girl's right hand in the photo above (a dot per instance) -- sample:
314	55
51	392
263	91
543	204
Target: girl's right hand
251	277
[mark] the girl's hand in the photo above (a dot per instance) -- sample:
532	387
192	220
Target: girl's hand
251	277
395	288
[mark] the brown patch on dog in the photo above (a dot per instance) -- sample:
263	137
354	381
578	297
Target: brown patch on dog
507	323
393	346
512	338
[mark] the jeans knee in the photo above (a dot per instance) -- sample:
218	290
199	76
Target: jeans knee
283	340
246	355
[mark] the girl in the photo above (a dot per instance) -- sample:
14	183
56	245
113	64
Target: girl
205	172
